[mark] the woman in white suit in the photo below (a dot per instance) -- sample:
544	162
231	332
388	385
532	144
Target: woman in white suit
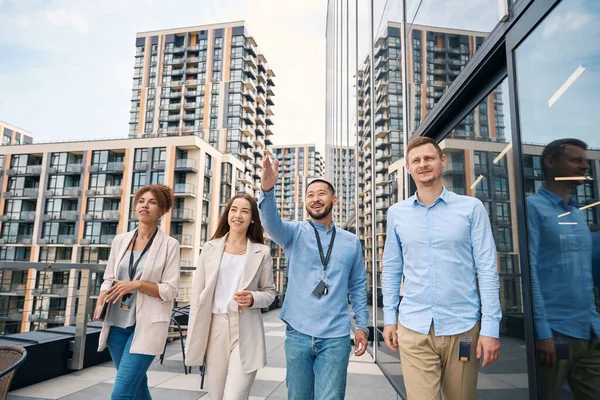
233	281
141	281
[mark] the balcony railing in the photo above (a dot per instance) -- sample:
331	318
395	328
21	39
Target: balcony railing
19	216
184	240
185	214
58	239
185	164
184	189
56	290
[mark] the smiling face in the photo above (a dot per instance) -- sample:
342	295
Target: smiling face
147	209
319	200
240	215
425	165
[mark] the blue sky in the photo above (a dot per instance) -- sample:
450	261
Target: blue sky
66	66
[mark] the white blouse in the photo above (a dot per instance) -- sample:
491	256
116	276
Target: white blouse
230	273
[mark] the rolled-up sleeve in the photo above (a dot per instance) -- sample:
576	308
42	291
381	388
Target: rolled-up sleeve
168	287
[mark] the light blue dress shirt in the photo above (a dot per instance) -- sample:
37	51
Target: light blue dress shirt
329	316
560	259
443	252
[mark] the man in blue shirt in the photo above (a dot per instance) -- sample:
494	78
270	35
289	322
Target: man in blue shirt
567	323
325	265
443	246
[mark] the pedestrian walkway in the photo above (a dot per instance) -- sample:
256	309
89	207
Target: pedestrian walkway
168	381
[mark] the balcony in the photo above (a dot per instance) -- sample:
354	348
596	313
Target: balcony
49	318
58	239
454	168
191	105
185	165
13	288
102	239
61	215
34	170
16	239
57	290
108	215
22	193
66	169
183	215
184	240
12	316
140	166
184	189
28	216
113	166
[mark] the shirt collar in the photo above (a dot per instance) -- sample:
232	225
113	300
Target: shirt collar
442	197
554	198
321	226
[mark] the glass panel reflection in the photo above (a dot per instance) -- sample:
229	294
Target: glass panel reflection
558	98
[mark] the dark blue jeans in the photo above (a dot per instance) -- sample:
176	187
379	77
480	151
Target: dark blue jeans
316	368
131	382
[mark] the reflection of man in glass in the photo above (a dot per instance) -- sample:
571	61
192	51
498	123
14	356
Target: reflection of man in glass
567	323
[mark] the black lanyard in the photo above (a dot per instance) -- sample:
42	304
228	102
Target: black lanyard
324	259
132	266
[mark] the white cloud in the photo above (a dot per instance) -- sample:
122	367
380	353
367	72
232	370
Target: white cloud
68	19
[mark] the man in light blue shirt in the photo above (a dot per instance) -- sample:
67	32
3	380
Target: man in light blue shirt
443	246
325	265
566	319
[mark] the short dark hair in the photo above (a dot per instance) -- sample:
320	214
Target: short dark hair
255	231
317	180
555	148
422	141
162	193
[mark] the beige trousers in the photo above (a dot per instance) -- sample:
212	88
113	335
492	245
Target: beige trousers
582	371
225	378
430	364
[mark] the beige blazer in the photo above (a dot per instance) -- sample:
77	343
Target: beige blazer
257	277
152	315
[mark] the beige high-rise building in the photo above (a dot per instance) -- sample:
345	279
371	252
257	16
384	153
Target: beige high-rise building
210	81
65	202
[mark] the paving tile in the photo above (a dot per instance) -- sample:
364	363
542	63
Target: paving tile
183	382
175	367
155	378
93	374
172	394
364	368
11	397
487	382
261	388
519	381
271	374
53	388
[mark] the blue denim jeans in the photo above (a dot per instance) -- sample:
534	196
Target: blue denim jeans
316	368
131	382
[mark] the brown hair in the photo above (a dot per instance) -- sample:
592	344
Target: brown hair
162	193
255	231
422	141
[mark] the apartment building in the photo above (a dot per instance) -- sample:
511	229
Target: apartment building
298	163
344	179
65	202
210	81
14	135
435	57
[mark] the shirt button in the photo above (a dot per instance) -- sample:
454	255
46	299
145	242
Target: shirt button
240	311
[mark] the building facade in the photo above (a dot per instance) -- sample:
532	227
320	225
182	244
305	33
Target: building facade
210	81
344	179
435	57
297	165
14	135
65	202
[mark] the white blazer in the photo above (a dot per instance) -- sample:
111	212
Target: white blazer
257	277
152	315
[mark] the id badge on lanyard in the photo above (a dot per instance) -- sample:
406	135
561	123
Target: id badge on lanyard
322	287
